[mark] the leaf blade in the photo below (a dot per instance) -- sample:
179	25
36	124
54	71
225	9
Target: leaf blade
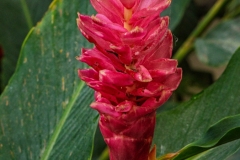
217	47
224	131
44	86
187	122
13	30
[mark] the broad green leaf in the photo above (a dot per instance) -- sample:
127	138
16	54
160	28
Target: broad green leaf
219	44
17	17
44	110
176	12
189	121
234	156
222	132
224	151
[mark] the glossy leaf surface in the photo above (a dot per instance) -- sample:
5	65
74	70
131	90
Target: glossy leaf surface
219	44
44	110
222	132
189	121
16	19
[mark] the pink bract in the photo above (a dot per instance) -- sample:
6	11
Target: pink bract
131	71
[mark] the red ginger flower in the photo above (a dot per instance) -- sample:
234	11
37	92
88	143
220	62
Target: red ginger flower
131	71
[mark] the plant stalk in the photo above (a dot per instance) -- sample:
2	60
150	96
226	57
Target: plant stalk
188	44
104	155
27	14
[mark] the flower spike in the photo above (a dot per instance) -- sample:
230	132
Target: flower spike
131	71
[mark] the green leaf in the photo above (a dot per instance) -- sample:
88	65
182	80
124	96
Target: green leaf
176	12
16	19
224	131
224	151
189	121
217	47
44	110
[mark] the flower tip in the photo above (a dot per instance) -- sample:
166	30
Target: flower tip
78	21
143	75
137	30
77	58
95	19
125	106
104	108
168	2
79	17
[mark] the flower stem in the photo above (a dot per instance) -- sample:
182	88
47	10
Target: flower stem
104	155
232	14
27	14
188	44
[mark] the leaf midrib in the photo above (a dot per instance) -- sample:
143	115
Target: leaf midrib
61	122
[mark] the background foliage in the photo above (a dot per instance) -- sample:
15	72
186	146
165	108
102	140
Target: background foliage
44	107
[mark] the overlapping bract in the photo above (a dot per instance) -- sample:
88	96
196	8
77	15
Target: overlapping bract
131	70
